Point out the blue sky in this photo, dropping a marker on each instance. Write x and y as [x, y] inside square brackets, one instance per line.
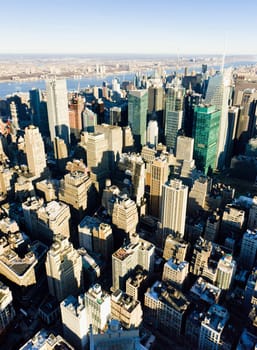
[131, 26]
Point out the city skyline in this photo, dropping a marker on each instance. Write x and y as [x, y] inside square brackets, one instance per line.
[133, 27]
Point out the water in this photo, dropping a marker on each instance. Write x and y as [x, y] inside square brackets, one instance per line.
[8, 88]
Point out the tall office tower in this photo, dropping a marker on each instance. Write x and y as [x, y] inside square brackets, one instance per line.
[116, 85]
[166, 307]
[127, 258]
[132, 165]
[57, 107]
[212, 227]
[233, 113]
[34, 101]
[159, 175]
[175, 272]
[14, 117]
[128, 140]
[60, 153]
[152, 133]
[97, 156]
[246, 99]
[191, 100]
[212, 328]
[7, 312]
[96, 236]
[137, 112]
[126, 310]
[173, 209]
[252, 218]
[6, 180]
[125, 215]
[202, 252]
[136, 283]
[250, 289]
[35, 151]
[226, 270]
[218, 93]
[175, 248]
[110, 191]
[173, 113]
[206, 136]
[155, 98]
[116, 338]
[233, 221]
[248, 249]
[98, 305]
[113, 135]
[89, 120]
[75, 321]
[73, 190]
[45, 221]
[115, 115]
[198, 194]
[63, 269]
[76, 107]
[185, 148]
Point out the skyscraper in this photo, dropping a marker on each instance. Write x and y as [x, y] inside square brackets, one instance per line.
[57, 107]
[63, 269]
[35, 150]
[34, 100]
[159, 174]
[137, 112]
[206, 134]
[173, 212]
[173, 113]
[152, 133]
[218, 93]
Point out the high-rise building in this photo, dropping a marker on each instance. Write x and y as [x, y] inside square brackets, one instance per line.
[202, 252]
[206, 136]
[252, 219]
[133, 165]
[173, 113]
[60, 153]
[198, 194]
[212, 227]
[155, 98]
[89, 120]
[125, 215]
[165, 307]
[57, 107]
[63, 269]
[159, 175]
[98, 304]
[248, 249]
[35, 150]
[127, 258]
[175, 248]
[185, 148]
[34, 101]
[212, 328]
[7, 312]
[115, 115]
[173, 210]
[126, 309]
[191, 100]
[233, 113]
[97, 158]
[76, 107]
[175, 272]
[137, 112]
[226, 270]
[46, 220]
[75, 321]
[218, 93]
[113, 135]
[152, 133]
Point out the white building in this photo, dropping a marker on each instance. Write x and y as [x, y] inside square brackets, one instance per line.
[226, 270]
[7, 312]
[57, 108]
[35, 150]
[212, 327]
[173, 211]
[175, 272]
[75, 321]
[152, 133]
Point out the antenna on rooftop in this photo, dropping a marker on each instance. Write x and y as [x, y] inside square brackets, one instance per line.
[224, 54]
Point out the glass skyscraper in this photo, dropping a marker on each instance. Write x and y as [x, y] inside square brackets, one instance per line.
[137, 113]
[206, 135]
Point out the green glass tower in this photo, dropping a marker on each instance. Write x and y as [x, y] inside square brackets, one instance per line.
[137, 112]
[206, 135]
